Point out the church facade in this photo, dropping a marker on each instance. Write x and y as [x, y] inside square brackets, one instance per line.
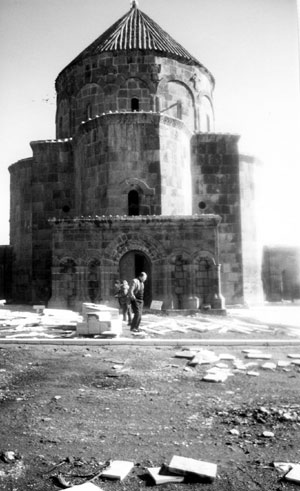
[136, 180]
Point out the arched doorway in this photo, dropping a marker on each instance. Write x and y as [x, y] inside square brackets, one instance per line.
[131, 265]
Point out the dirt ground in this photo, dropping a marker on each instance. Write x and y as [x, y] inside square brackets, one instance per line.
[66, 410]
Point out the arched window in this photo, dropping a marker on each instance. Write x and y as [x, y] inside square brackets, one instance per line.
[133, 203]
[87, 73]
[179, 109]
[88, 111]
[207, 122]
[135, 104]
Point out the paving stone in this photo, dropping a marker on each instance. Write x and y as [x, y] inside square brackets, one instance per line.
[191, 467]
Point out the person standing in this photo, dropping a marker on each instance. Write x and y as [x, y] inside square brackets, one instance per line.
[136, 295]
[124, 301]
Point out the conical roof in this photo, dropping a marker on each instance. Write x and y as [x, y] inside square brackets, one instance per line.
[136, 31]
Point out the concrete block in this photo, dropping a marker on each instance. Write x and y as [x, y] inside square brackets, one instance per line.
[194, 468]
[118, 469]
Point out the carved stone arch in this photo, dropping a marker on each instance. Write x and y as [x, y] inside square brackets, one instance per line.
[86, 87]
[63, 118]
[138, 184]
[186, 255]
[177, 99]
[96, 256]
[180, 277]
[90, 94]
[138, 195]
[66, 260]
[135, 89]
[134, 241]
[199, 256]
[206, 113]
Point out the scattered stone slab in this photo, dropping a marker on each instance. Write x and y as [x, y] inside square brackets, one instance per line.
[118, 469]
[185, 466]
[234, 432]
[163, 478]
[226, 357]
[283, 363]
[269, 366]
[294, 474]
[203, 357]
[252, 373]
[222, 365]
[296, 362]
[295, 355]
[219, 376]
[259, 356]
[268, 434]
[185, 354]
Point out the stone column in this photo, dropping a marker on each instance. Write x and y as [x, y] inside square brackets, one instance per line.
[57, 300]
[168, 303]
[81, 293]
[218, 300]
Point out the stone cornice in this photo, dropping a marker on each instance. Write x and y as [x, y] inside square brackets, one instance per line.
[204, 219]
[132, 117]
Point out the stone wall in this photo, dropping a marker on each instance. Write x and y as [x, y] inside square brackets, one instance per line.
[5, 273]
[21, 228]
[117, 153]
[110, 82]
[182, 254]
[281, 273]
[221, 181]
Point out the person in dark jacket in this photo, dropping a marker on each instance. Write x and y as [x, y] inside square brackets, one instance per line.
[136, 295]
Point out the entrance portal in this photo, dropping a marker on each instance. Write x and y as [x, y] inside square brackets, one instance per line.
[131, 265]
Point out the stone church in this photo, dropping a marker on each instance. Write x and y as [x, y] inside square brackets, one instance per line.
[136, 180]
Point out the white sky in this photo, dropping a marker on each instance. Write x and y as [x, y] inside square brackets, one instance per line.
[250, 46]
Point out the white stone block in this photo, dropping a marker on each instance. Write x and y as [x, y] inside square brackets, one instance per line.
[191, 467]
[294, 474]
